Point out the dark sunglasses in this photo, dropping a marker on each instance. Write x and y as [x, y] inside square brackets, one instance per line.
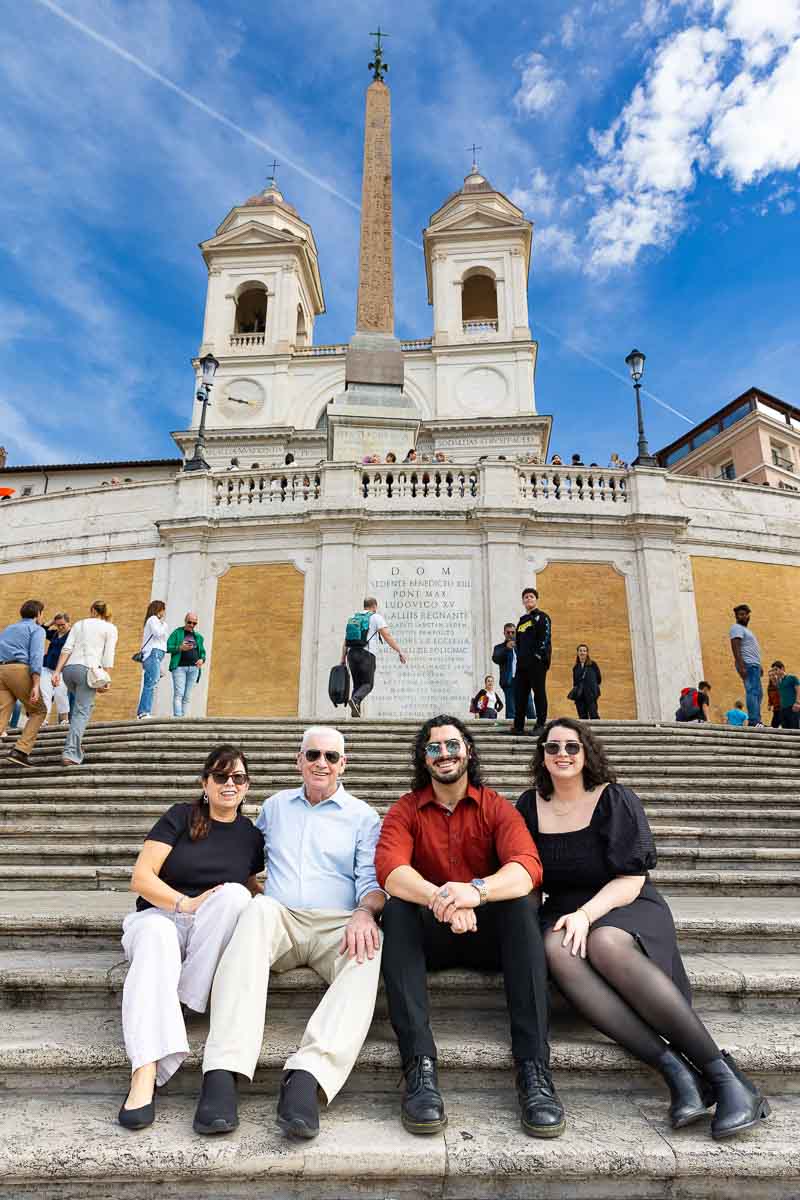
[570, 748]
[331, 756]
[238, 777]
[452, 747]
[189, 623]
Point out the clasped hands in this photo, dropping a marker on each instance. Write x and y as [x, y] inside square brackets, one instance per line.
[454, 904]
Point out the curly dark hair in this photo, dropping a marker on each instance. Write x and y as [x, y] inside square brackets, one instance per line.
[421, 777]
[596, 767]
[221, 758]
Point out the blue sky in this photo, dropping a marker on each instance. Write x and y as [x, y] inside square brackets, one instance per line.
[655, 145]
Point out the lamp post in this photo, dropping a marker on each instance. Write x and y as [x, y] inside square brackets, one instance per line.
[209, 366]
[635, 363]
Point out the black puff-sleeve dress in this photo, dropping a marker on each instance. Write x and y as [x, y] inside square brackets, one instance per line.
[617, 841]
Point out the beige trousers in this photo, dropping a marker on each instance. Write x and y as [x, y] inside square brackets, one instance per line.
[271, 936]
[15, 684]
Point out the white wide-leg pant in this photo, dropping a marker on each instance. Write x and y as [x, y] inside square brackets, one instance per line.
[173, 959]
[272, 936]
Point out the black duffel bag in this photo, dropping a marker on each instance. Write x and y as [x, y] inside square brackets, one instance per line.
[339, 684]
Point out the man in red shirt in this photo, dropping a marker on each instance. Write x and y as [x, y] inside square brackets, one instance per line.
[460, 868]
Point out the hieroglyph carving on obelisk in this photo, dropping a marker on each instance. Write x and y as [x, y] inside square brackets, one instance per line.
[375, 311]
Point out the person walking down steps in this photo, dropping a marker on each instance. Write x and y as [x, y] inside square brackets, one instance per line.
[362, 634]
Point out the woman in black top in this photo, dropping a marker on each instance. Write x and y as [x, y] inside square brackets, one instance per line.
[586, 680]
[609, 934]
[195, 874]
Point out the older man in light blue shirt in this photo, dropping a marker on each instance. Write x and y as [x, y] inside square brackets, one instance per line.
[319, 910]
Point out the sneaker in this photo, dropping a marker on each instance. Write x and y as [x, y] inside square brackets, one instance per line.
[355, 708]
[16, 758]
[143, 716]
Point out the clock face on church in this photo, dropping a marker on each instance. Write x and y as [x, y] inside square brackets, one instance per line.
[241, 400]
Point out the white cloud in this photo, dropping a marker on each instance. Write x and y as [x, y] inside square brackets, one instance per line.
[569, 29]
[538, 198]
[555, 248]
[650, 153]
[757, 128]
[539, 86]
[763, 27]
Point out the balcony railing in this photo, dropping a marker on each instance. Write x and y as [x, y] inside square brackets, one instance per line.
[257, 489]
[569, 483]
[403, 483]
[785, 464]
[319, 351]
[246, 341]
[473, 327]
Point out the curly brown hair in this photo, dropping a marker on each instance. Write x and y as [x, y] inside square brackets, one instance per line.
[421, 775]
[596, 767]
[221, 758]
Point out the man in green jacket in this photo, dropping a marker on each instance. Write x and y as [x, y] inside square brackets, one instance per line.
[187, 655]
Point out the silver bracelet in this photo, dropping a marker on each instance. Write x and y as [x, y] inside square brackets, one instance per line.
[178, 904]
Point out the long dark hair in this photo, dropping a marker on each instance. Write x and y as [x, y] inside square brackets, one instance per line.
[155, 606]
[596, 767]
[225, 758]
[589, 659]
[422, 777]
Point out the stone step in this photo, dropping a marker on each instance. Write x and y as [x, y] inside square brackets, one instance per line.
[80, 979]
[616, 1144]
[90, 920]
[23, 852]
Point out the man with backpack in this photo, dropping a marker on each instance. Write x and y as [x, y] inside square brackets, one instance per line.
[362, 633]
[694, 702]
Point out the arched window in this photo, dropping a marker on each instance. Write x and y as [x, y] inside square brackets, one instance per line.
[479, 300]
[251, 311]
[301, 334]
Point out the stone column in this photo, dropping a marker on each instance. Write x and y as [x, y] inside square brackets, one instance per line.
[339, 595]
[375, 309]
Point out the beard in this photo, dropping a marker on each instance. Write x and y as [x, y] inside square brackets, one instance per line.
[449, 776]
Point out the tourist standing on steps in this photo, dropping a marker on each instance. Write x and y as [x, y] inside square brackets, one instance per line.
[187, 652]
[363, 633]
[586, 680]
[460, 868]
[21, 659]
[747, 657]
[320, 909]
[789, 693]
[195, 875]
[152, 650]
[774, 698]
[609, 934]
[534, 649]
[505, 655]
[486, 704]
[85, 661]
[55, 633]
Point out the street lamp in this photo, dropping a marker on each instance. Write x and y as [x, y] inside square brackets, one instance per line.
[635, 363]
[209, 366]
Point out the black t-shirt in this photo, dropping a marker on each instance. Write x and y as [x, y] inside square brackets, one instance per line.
[189, 657]
[232, 852]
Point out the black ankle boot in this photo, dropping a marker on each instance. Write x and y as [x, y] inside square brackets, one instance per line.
[217, 1109]
[422, 1109]
[740, 1104]
[298, 1106]
[542, 1110]
[692, 1095]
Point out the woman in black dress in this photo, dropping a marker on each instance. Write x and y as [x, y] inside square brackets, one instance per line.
[609, 934]
[586, 680]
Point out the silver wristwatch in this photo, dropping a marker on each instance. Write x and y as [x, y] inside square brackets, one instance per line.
[480, 886]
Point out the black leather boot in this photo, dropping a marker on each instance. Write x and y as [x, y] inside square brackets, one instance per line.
[298, 1106]
[692, 1095]
[422, 1110]
[542, 1110]
[740, 1104]
[217, 1110]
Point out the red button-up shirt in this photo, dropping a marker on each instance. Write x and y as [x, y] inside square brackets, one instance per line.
[482, 834]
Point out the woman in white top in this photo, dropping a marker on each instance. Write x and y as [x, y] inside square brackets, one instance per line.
[89, 646]
[153, 649]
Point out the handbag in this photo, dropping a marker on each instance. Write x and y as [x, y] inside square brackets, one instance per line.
[572, 694]
[139, 655]
[98, 678]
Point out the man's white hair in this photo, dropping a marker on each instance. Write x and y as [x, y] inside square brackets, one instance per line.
[314, 730]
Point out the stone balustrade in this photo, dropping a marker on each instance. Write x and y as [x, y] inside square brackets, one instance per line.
[472, 327]
[413, 344]
[573, 483]
[420, 483]
[238, 489]
[246, 341]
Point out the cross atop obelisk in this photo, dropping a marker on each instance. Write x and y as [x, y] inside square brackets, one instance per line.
[375, 310]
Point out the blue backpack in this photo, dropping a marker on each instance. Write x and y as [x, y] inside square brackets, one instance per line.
[356, 631]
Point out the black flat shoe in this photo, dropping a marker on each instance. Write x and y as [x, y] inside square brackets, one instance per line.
[137, 1118]
[217, 1110]
[298, 1105]
[422, 1109]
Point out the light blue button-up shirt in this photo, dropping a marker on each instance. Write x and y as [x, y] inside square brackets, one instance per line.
[319, 855]
[23, 642]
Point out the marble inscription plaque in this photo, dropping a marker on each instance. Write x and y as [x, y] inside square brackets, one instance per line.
[427, 603]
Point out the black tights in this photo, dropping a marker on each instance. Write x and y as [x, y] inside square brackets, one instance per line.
[625, 995]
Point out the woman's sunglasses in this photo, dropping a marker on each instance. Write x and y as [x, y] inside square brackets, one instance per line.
[238, 777]
[331, 756]
[570, 748]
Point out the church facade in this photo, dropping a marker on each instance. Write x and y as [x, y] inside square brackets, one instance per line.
[643, 565]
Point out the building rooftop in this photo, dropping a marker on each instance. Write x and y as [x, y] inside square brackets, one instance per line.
[722, 419]
[51, 468]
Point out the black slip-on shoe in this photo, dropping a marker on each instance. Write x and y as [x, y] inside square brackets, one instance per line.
[298, 1105]
[217, 1109]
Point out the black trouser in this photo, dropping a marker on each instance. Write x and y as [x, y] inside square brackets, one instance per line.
[789, 718]
[507, 939]
[362, 667]
[587, 709]
[529, 676]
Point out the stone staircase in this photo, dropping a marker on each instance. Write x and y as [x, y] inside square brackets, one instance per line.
[725, 808]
